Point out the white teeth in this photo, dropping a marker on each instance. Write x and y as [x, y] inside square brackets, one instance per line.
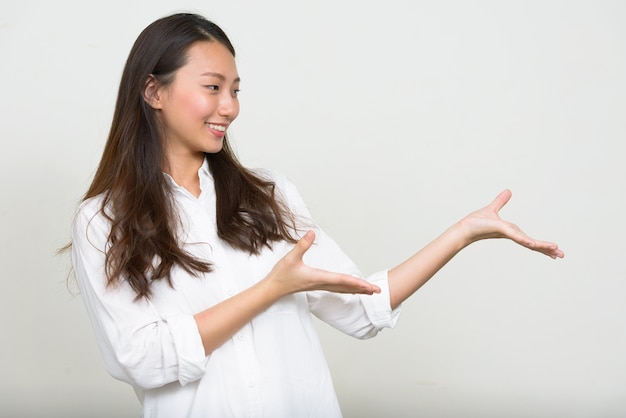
[217, 127]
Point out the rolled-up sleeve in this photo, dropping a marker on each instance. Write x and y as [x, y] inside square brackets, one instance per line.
[188, 346]
[138, 344]
[378, 305]
[361, 316]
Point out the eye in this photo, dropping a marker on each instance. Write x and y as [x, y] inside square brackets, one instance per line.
[236, 92]
[212, 87]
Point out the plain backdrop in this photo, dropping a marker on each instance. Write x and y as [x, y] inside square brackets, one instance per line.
[394, 119]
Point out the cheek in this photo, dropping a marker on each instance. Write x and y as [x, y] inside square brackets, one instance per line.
[199, 105]
[191, 102]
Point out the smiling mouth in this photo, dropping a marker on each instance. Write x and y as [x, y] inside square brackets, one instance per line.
[220, 128]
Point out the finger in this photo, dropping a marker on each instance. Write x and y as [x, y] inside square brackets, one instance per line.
[303, 244]
[341, 283]
[545, 247]
[554, 254]
[548, 248]
[364, 290]
[363, 287]
[501, 200]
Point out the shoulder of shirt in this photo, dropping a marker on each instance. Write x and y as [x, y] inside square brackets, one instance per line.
[89, 215]
[91, 207]
[284, 185]
[265, 173]
[274, 176]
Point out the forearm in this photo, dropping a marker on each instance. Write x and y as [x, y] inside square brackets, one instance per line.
[220, 322]
[407, 277]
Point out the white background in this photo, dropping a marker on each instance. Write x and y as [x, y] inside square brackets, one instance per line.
[395, 119]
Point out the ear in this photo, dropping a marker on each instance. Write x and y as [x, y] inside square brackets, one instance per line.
[152, 92]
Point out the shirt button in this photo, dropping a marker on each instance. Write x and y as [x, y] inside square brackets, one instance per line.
[240, 337]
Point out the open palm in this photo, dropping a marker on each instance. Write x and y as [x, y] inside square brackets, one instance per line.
[486, 223]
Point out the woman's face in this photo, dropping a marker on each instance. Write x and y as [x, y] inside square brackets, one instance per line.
[198, 106]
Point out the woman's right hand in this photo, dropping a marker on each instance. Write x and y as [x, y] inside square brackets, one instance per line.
[291, 275]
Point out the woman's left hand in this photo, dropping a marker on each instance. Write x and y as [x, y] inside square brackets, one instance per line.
[486, 223]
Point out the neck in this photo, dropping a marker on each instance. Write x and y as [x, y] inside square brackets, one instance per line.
[184, 171]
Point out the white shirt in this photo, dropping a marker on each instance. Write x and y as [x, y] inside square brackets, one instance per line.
[273, 367]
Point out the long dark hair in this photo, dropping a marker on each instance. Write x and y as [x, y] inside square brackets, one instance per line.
[137, 198]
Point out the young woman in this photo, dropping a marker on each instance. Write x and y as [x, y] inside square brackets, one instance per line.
[201, 276]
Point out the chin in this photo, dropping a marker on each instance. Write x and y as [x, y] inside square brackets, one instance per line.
[214, 148]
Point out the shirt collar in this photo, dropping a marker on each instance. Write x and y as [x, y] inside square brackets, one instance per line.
[204, 174]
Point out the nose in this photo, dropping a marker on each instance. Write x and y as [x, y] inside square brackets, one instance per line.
[228, 106]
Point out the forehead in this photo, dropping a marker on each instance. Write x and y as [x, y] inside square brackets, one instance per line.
[210, 57]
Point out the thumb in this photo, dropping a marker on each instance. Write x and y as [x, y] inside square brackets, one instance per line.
[303, 245]
[501, 200]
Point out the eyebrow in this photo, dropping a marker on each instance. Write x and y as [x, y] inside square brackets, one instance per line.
[220, 76]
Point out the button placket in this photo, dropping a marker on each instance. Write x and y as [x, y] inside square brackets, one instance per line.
[249, 367]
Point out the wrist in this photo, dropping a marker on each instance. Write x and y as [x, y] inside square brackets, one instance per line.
[273, 288]
[461, 234]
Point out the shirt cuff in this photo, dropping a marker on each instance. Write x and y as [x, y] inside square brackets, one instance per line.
[189, 348]
[378, 305]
